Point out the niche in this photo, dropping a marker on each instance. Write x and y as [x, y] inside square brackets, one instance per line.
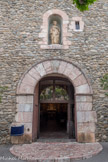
[55, 29]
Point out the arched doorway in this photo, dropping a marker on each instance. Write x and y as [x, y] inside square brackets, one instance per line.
[28, 89]
[56, 108]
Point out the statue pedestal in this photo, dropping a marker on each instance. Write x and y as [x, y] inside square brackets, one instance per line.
[55, 46]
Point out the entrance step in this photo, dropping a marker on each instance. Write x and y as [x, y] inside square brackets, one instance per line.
[55, 151]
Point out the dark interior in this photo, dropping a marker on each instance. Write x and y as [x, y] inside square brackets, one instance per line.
[53, 117]
[56, 101]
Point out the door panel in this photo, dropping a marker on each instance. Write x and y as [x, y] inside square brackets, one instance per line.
[36, 114]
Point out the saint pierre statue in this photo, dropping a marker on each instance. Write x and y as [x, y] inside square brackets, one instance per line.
[55, 33]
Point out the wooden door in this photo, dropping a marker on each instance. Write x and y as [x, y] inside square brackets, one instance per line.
[35, 122]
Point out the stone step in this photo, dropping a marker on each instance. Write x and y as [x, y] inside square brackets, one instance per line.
[55, 152]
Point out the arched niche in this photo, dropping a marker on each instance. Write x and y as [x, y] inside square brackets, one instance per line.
[63, 20]
[59, 21]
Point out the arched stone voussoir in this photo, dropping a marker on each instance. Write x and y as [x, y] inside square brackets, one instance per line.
[47, 67]
[56, 11]
[80, 80]
[24, 88]
[71, 71]
[54, 66]
[27, 84]
[83, 89]
[28, 79]
[51, 66]
[40, 69]
[34, 73]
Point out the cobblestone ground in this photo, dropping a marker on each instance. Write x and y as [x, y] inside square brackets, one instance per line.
[58, 152]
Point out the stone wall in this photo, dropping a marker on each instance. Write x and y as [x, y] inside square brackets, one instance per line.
[20, 25]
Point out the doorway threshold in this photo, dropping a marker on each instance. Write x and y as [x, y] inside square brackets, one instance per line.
[54, 134]
[51, 137]
[55, 140]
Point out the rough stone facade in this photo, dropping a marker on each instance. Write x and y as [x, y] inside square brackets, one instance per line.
[20, 25]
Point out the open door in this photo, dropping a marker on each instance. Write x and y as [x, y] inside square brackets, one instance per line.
[53, 108]
[35, 128]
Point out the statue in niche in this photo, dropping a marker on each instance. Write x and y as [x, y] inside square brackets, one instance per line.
[55, 33]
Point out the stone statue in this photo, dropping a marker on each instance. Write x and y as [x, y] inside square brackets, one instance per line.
[55, 33]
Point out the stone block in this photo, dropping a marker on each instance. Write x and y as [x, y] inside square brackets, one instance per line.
[45, 23]
[71, 26]
[65, 34]
[24, 99]
[50, 12]
[44, 30]
[84, 106]
[69, 68]
[14, 139]
[25, 89]
[83, 89]
[84, 98]
[74, 73]
[76, 18]
[40, 69]
[65, 22]
[69, 43]
[65, 27]
[41, 35]
[86, 137]
[26, 138]
[86, 116]
[27, 128]
[62, 67]
[33, 72]
[55, 65]
[54, 46]
[65, 46]
[47, 66]
[29, 80]
[65, 42]
[86, 127]
[25, 107]
[44, 47]
[80, 80]
[24, 117]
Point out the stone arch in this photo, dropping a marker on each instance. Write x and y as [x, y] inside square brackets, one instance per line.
[55, 11]
[85, 116]
[32, 76]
